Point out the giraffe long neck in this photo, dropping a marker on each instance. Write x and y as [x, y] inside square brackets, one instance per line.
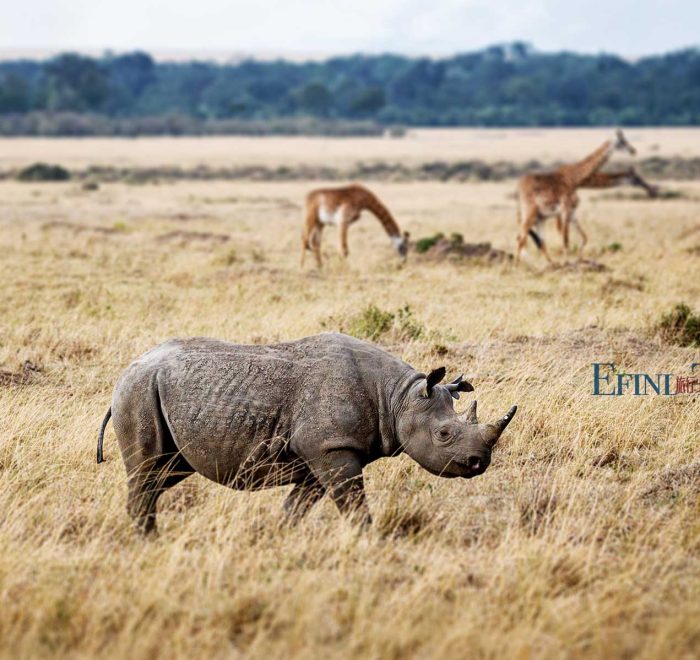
[382, 214]
[579, 172]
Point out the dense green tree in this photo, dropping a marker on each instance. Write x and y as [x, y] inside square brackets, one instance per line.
[73, 82]
[14, 94]
[502, 85]
[314, 99]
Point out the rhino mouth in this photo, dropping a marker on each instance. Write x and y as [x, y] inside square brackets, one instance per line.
[458, 470]
[473, 467]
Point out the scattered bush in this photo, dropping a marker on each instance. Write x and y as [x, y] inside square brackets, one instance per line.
[424, 244]
[372, 323]
[681, 326]
[407, 325]
[43, 172]
[613, 247]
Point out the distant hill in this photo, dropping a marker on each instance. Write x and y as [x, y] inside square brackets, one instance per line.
[510, 85]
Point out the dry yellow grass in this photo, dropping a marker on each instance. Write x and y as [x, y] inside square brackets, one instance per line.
[582, 539]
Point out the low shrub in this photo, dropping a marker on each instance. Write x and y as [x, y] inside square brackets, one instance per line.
[681, 326]
[43, 172]
[372, 323]
[424, 244]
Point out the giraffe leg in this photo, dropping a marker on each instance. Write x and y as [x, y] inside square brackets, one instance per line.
[304, 248]
[527, 225]
[316, 244]
[343, 237]
[563, 228]
[584, 237]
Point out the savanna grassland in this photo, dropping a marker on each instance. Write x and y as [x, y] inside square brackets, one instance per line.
[582, 538]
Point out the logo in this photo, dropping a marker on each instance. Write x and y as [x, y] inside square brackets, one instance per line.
[608, 380]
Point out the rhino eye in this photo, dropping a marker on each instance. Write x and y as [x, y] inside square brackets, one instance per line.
[444, 435]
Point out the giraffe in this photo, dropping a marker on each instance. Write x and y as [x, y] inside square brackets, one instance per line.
[343, 206]
[542, 195]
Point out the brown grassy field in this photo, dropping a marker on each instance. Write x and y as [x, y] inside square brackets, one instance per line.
[582, 538]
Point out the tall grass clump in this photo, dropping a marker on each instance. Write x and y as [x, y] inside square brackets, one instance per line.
[681, 326]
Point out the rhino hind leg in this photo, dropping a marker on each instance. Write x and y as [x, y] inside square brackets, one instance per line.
[152, 459]
[147, 483]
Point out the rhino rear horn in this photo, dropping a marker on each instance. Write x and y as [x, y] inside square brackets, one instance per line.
[472, 413]
[469, 417]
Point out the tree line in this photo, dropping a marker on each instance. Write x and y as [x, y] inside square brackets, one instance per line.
[508, 85]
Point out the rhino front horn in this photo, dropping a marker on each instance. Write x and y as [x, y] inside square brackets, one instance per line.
[505, 420]
[496, 429]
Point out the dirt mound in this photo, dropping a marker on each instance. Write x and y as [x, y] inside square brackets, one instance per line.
[440, 248]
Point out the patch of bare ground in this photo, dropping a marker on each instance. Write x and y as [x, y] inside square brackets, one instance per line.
[613, 284]
[25, 375]
[581, 266]
[80, 227]
[185, 237]
[186, 217]
[675, 480]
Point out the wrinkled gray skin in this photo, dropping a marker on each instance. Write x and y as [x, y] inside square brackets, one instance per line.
[311, 413]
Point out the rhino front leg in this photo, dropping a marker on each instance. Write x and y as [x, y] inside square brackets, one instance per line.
[340, 473]
[302, 498]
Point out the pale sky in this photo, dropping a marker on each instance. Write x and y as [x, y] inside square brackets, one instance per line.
[307, 27]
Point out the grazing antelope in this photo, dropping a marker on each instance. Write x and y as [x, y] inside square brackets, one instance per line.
[342, 207]
[547, 194]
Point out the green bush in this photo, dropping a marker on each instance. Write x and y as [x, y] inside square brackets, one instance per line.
[681, 326]
[372, 323]
[44, 172]
[407, 325]
[424, 244]
[613, 247]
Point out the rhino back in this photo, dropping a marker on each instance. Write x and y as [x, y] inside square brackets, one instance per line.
[222, 400]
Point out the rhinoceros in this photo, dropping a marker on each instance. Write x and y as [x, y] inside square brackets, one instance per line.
[311, 413]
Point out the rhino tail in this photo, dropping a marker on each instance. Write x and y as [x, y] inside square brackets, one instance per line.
[101, 437]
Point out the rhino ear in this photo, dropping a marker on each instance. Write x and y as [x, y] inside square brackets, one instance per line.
[432, 379]
[459, 385]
